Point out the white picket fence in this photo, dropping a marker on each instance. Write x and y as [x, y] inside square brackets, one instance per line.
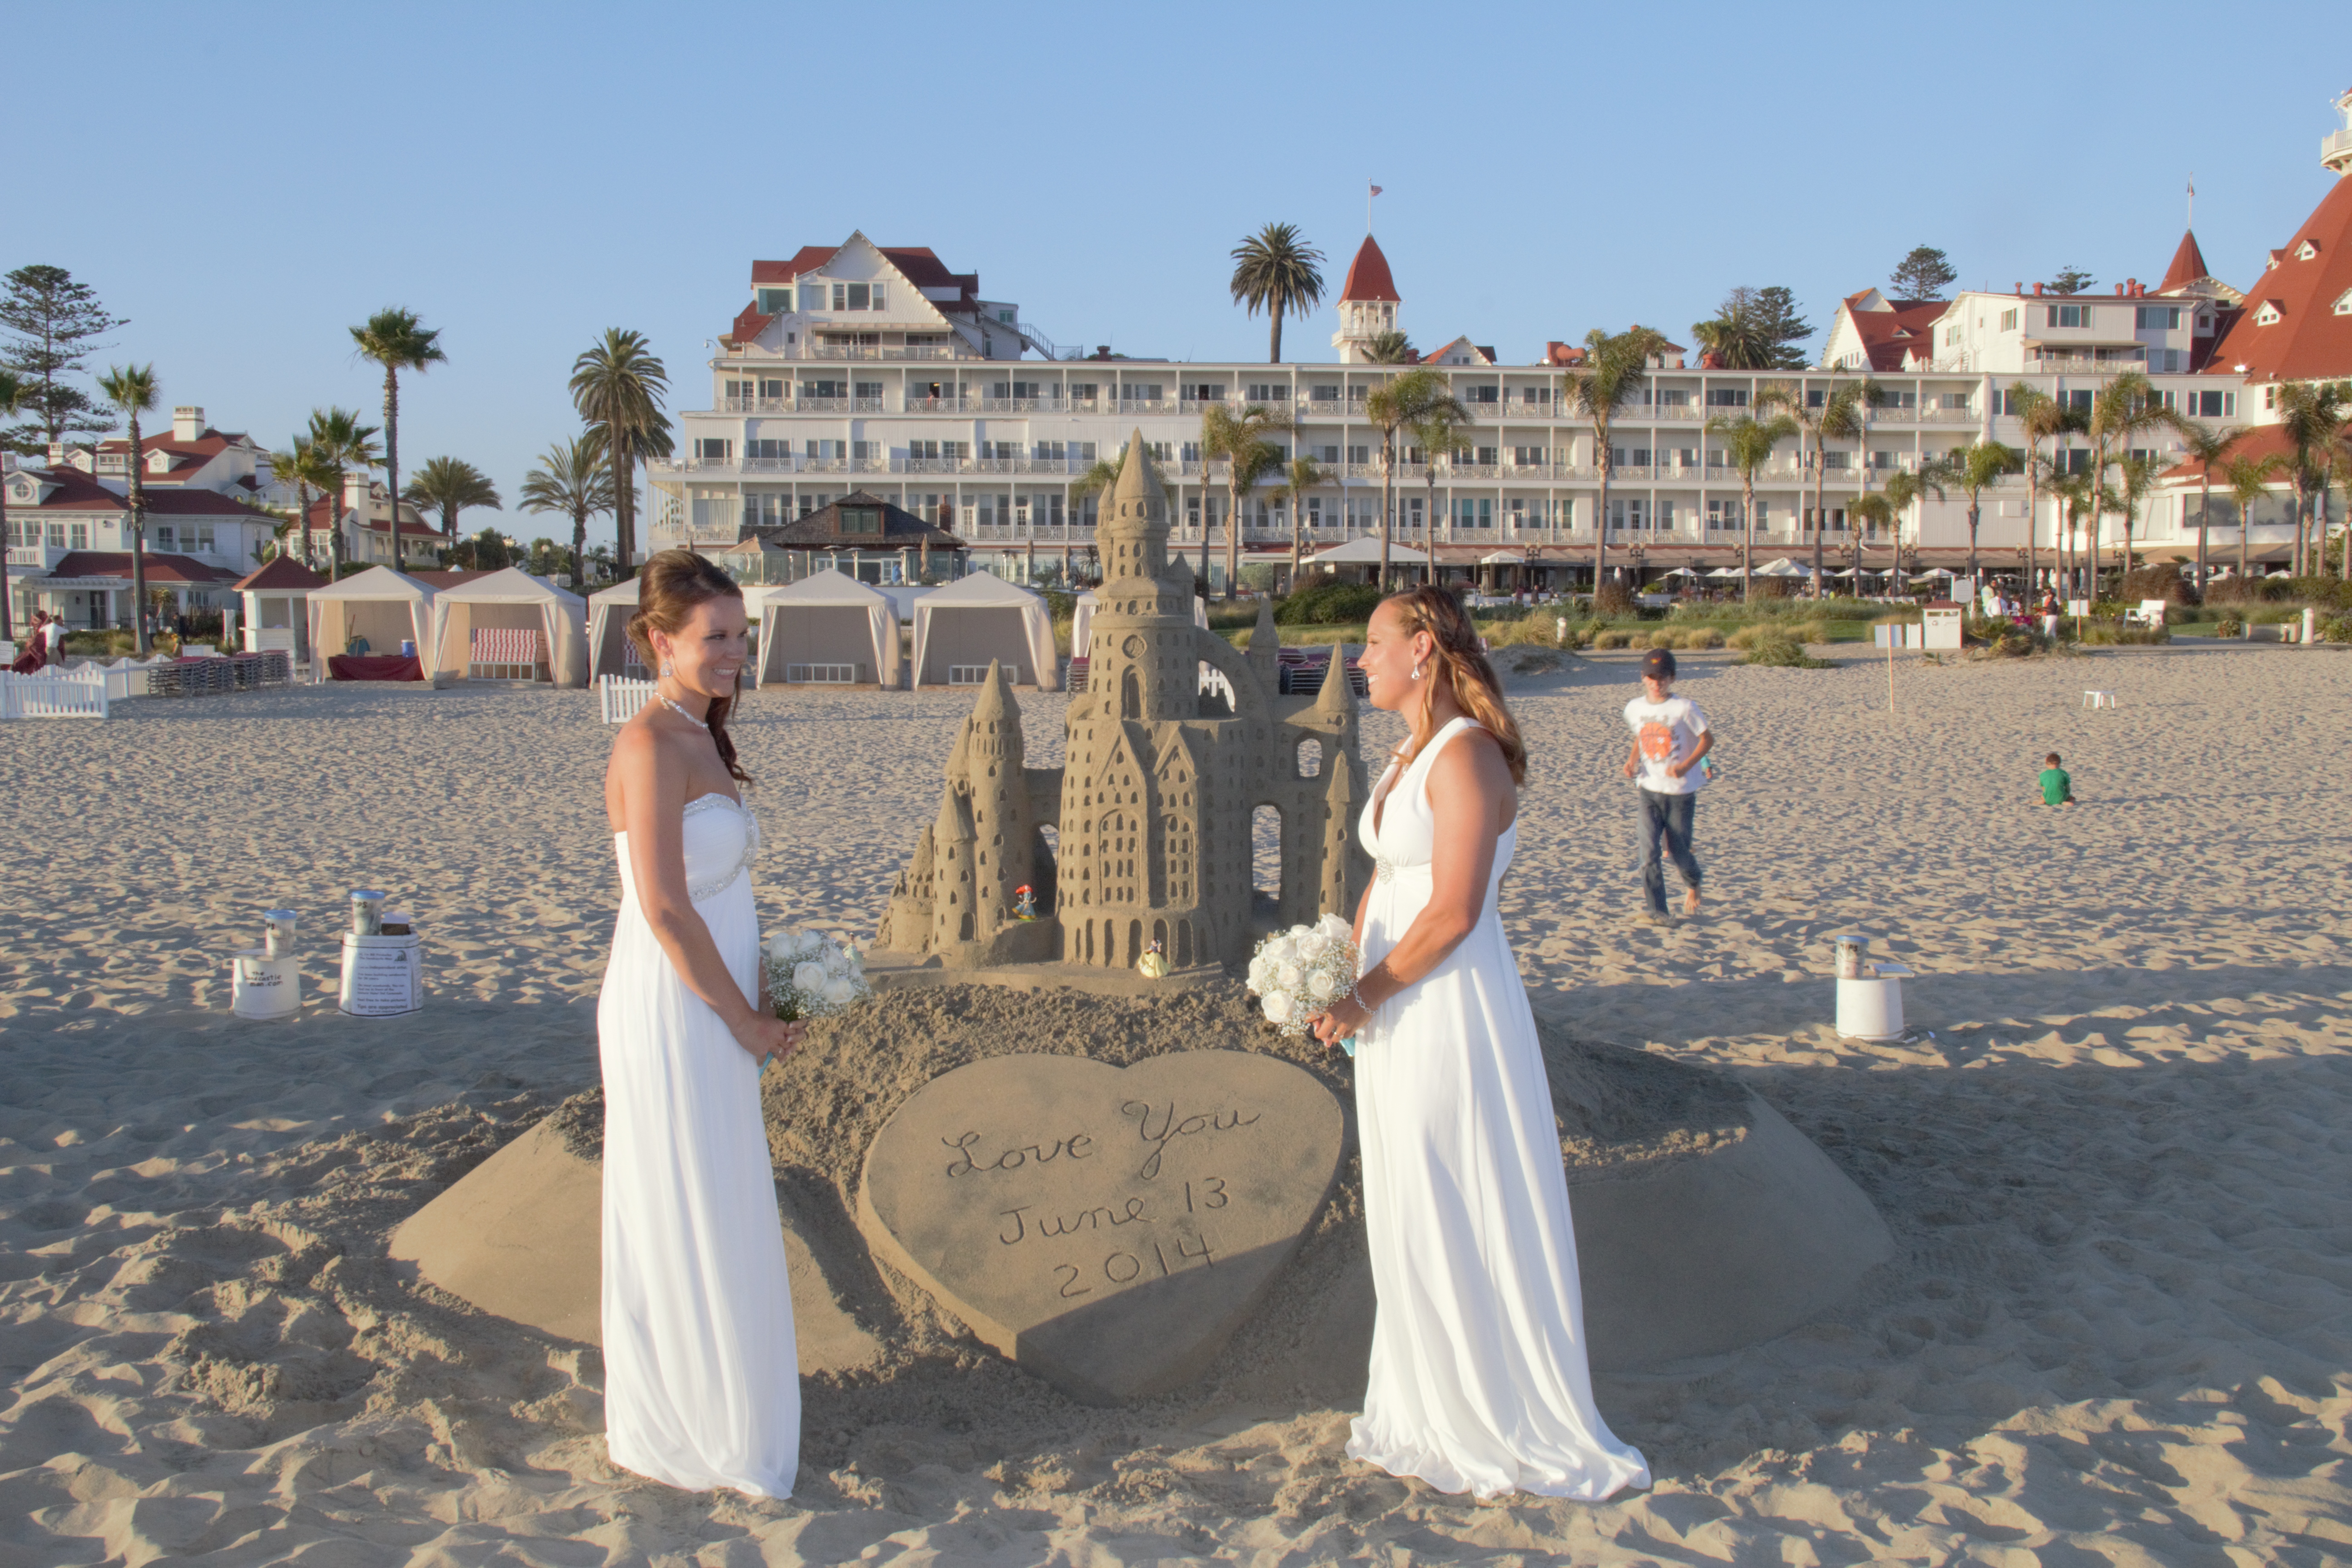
[619, 697]
[67, 694]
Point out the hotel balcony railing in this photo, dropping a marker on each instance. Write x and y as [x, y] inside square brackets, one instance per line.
[2336, 144]
[823, 405]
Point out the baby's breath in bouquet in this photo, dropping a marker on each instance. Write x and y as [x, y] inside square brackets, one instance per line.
[1298, 973]
[812, 976]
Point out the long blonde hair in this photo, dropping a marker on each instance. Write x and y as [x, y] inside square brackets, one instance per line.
[1462, 667]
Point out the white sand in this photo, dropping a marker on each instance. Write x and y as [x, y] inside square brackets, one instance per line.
[2118, 1331]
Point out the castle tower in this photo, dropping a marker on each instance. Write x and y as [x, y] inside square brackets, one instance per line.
[1367, 304]
[1340, 875]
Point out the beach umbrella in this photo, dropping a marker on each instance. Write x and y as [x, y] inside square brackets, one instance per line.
[1783, 567]
[1725, 572]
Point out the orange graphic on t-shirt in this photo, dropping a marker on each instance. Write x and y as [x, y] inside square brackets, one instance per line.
[1657, 742]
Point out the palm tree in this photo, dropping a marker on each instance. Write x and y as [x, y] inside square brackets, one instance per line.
[620, 385]
[13, 397]
[1239, 440]
[1906, 487]
[1276, 270]
[131, 388]
[1614, 367]
[2139, 471]
[1394, 405]
[1975, 469]
[2044, 418]
[2311, 415]
[2125, 410]
[394, 339]
[1748, 442]
[1391, 347]
[2207, 447]
[2249, 479]
[1302, 475]
[1438, 429]
[337, 443]
[2076, 499]
[292, 466]
[450, 485]
[573, 480]
[1838, 418]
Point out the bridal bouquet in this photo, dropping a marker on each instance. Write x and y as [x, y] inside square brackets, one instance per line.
[812, 975]
[1298, 973]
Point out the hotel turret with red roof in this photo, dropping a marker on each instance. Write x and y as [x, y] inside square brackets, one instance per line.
[875, 368]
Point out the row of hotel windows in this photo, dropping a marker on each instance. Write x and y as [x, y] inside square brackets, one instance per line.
[811, 296]
[2161, 318]
[26, 535]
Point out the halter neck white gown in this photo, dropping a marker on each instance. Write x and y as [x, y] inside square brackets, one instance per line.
[701, 1377]
[1478, 1375]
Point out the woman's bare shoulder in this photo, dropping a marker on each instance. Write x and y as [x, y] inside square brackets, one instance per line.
[1473, 760]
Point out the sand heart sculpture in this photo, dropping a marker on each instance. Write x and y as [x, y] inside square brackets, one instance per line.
[1107, 1227]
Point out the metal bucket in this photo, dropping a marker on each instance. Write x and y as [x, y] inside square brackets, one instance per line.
[277, 934]
[1851, 945]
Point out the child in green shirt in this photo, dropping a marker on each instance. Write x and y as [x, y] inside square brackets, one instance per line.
[2057, 789]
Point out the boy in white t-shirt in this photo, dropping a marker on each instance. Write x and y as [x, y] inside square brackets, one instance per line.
[1670, 736]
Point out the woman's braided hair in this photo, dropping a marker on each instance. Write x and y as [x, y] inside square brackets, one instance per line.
[669, 586]
[1461, 664]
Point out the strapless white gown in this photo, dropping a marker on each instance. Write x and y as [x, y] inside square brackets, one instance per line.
[701, 1377]
[1479, 1382]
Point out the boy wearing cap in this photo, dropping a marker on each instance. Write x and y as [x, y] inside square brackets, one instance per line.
[1670, 736]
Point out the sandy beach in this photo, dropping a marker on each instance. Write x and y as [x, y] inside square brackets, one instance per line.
[2117, 1330]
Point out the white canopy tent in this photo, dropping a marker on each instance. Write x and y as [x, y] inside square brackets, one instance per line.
[1503, 558]
[978, 618]
[514, 601]
[384, 606]
[826, 629]
[610, 652]
[1784, 567]
[1731, 572]
[1082, 622]
[1367, 553]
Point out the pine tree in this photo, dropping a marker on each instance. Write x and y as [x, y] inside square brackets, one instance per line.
[2069, 281]
[56, 322]
[1924, 274]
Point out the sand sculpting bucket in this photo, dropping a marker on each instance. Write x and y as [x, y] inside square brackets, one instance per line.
[266, 981]
[384, 961]
[1869, 994]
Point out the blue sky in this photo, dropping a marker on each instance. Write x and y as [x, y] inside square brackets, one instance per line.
[245, 181]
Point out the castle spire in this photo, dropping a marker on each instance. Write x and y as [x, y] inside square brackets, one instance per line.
[1338, 696]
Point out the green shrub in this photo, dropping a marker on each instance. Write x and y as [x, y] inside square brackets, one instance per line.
[1613, 637]
[1775, 647]
[1612, 599]
[1329, 605]
[1703, 637]
[2230, 627]
[2105, 633]
[2164, 581]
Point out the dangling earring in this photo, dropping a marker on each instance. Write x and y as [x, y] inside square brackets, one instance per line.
[668, 670]
[1416, 672]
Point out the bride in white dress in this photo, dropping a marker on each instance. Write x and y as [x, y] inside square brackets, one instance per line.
[701, 1376]
[1479, 1380]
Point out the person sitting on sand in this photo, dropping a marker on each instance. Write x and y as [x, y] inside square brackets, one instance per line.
[2057, 789]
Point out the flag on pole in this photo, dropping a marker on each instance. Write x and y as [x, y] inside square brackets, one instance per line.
[1376, 190]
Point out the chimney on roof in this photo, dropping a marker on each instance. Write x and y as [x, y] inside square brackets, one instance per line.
[58, 456]
[187, 422]
[355, 490]
[2037, 291]
[2020, 288]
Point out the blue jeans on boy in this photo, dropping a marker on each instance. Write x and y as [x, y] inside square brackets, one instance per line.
[1666, 818]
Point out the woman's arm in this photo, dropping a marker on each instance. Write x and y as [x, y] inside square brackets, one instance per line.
[1473, 797]
[653, 781]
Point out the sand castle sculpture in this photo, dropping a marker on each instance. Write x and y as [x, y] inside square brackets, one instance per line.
[1164, 772]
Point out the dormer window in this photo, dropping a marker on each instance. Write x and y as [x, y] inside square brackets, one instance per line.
[774, 301]
[2306, 251]
[2343, 306]
[860, 520]
[2270, 315]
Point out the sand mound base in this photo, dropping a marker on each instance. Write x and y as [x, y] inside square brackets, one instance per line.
[1704, 1220]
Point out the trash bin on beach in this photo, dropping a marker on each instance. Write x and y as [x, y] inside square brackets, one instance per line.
[1869, 996]
[266, 981]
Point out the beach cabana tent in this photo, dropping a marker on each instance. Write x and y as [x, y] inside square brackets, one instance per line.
[610, 651]
[514, 603]
[275, 595]
[385, 606]
[960, 628]
[826, 629]
[1082, 622]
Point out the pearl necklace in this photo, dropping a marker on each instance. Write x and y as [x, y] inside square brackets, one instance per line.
[681, 712]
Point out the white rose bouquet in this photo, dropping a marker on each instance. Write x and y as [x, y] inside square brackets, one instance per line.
[1298, 973]
[812, 975]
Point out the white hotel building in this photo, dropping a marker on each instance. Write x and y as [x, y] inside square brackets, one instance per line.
[860, 367]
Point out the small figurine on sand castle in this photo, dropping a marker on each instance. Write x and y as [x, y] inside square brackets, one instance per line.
[1025, 903]
[1153, 964]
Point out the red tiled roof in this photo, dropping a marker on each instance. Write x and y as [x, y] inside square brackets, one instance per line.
[281, 574]
[161, 567]
[1367, 274]
[2187, 265]
[917, 263]
[2310, 341]
[2260, 441]
[78, 491]
[1905, 327]
[749, 324]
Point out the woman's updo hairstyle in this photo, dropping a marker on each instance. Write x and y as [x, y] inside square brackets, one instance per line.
[669, 586]
[1459, 662]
